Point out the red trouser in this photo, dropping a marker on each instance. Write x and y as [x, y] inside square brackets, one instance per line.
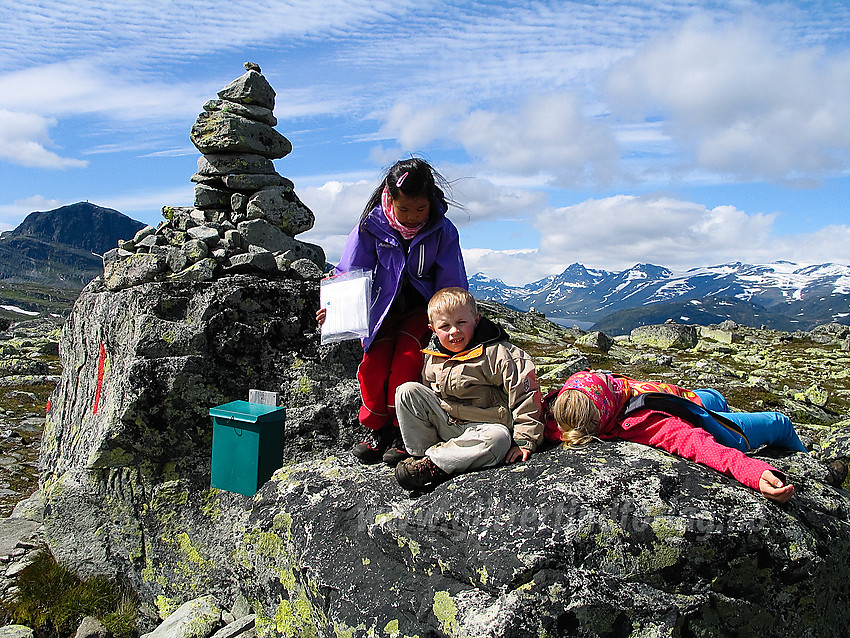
[393, 358]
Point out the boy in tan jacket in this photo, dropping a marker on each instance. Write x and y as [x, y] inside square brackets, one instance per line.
[479, 402]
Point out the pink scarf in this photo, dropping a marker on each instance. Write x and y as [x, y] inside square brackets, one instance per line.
[406, 231]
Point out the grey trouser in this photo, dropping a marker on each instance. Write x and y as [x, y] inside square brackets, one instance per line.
[453, 447]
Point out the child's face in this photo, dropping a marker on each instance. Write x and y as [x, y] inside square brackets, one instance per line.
[454, 328]
[411, 211]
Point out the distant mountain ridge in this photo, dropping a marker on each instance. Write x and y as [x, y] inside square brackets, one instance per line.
[63, 247]
[781, 295]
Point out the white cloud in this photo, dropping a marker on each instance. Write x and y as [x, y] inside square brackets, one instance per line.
[548, 136]
[24, 140]
[82, 87]
[484, 200]
[617, 232]
[514, 267]
[337, 206]
[12, 214]
[740, 101]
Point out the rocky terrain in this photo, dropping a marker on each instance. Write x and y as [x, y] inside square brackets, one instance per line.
[613, 539]
[29, 371]
[803, 374]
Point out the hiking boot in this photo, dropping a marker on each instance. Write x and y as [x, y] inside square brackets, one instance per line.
[396, 451]
[372, 447]
[420, 475]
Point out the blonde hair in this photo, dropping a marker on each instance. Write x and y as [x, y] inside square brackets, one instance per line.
[448, 299]
[577, 417]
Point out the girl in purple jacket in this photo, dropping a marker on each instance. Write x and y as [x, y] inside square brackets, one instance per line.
[405, 239]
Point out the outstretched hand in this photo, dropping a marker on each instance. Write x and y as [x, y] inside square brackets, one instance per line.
[517, 453]
[773, 488]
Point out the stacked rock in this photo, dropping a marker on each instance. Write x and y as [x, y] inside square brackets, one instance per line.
[245, 215]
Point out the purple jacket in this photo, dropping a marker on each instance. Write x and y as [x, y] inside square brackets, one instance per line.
[434, 261]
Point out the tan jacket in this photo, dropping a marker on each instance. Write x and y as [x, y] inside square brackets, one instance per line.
[494, 382]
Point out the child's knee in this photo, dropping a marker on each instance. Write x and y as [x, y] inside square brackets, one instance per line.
[406, 391]
[499, 440]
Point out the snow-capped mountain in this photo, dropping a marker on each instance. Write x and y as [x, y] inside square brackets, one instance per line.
[805, 294]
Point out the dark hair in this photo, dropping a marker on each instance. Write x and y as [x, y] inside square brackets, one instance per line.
[418, 179]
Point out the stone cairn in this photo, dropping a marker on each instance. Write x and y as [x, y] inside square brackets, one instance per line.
[246, 215]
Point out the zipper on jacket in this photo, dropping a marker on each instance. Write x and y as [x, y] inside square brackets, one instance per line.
[421, 261]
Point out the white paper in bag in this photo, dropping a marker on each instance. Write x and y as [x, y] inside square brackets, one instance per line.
[346, 300]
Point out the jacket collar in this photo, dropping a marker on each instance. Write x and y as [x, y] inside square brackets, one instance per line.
[486, 332]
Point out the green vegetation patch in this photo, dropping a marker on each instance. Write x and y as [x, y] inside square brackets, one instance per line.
[52, 601]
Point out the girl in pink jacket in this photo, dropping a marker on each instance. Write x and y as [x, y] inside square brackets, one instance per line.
[593, 404]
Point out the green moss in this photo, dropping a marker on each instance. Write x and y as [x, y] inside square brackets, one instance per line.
[659, 557]
[189, 550]
[294, 619]
[383, 518]
[283, 521]
[211, 505]
[411, 544]
[445, 610]
[391, 628]
[304, 386]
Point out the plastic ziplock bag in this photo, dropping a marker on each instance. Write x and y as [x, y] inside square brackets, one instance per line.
[346, 299]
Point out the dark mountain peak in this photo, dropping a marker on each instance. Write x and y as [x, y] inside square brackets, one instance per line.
[83, 225]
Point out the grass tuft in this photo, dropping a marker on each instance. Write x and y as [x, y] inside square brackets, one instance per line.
[52, 601]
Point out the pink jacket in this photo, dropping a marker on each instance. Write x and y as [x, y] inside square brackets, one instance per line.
[609, 394]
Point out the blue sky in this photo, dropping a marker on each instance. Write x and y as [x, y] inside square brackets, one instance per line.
[677, 133]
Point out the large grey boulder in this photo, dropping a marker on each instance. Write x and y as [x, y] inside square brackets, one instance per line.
[667, 335]
[125, 455]
[280, 206]
[611, 539]
[223, 132]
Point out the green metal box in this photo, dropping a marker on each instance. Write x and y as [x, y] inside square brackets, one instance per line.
[247, 445]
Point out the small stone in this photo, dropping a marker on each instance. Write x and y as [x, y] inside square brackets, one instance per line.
[251, 88]
[205, 234]
[195, 250]
[221, 164]
[281, 207]
[262, 261]
[91, 627]
[239, 206]
[144, 232]
[306, 270]
[233, 240]
[220, 132]
[817, 395]
[209, 197]
[258, 113]
[176, 259]
[596, 339]
[250, 183]
[204, 270]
